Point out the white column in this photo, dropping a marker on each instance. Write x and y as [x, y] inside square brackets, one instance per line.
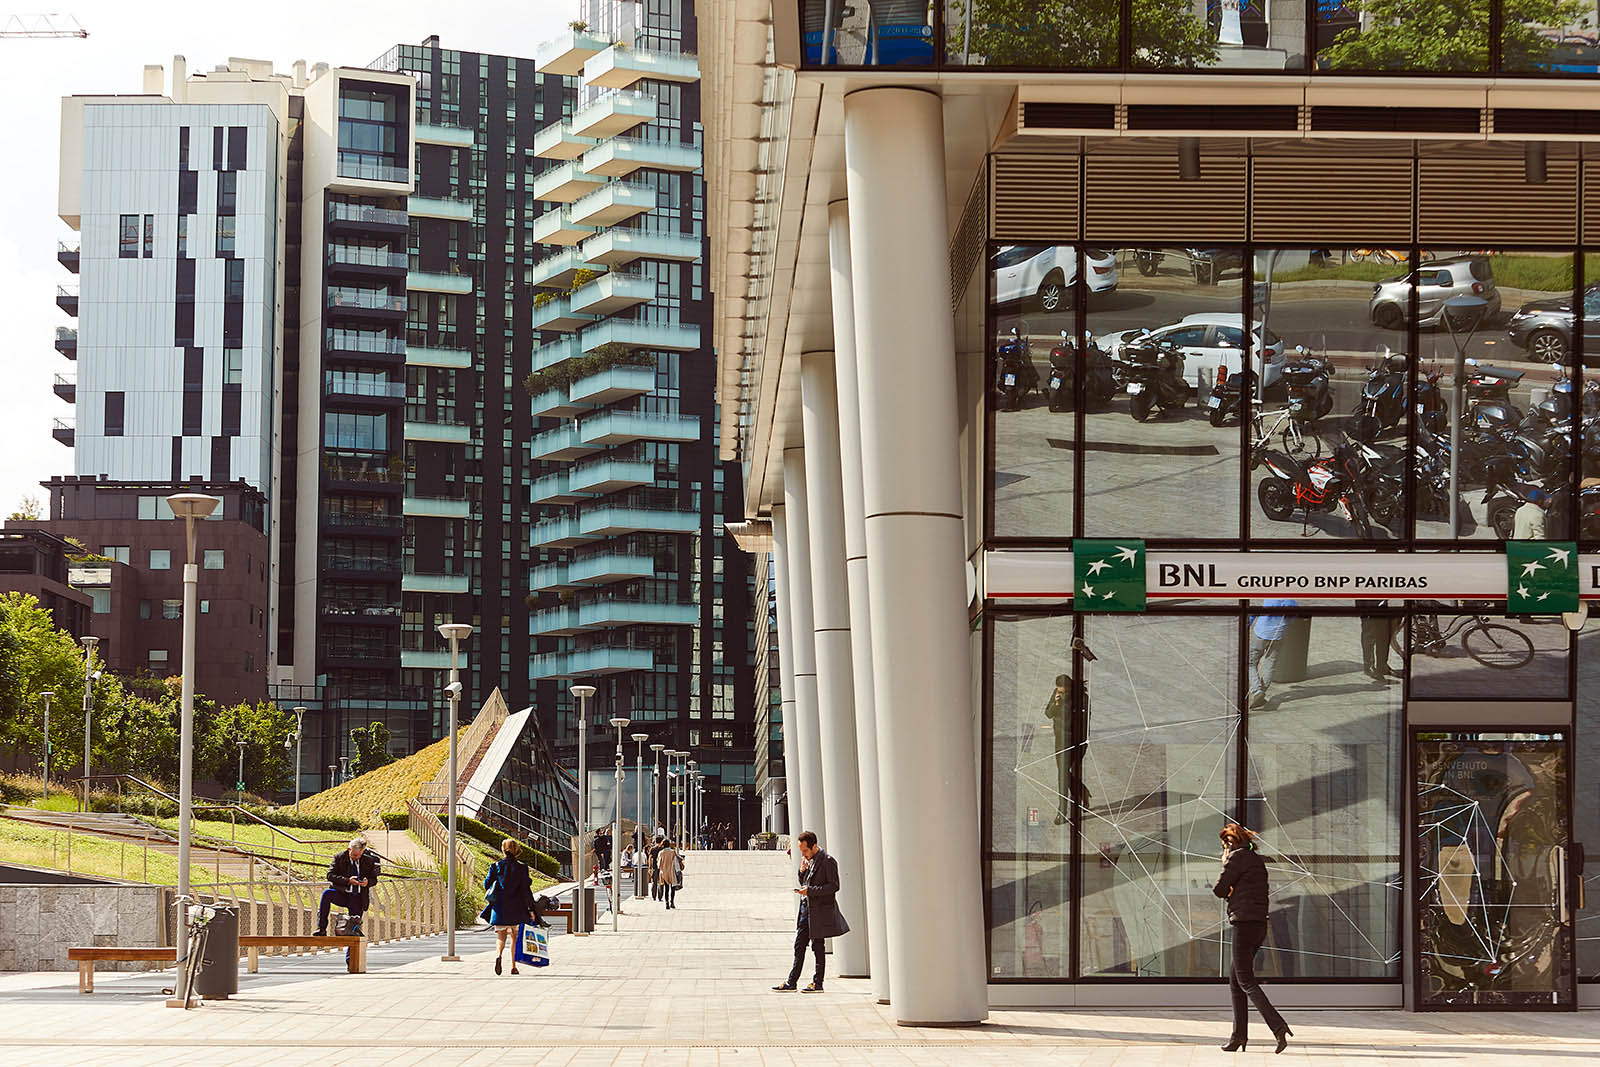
[905, 340]
[803, 739]
[836, 719]
[855, 554]
[780, 583]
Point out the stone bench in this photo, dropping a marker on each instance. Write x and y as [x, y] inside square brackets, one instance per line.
[355, 946]
[86, 957]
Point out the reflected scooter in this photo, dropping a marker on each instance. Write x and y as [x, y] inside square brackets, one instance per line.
[1014, 372]
[1227, 395]
[1099, 383]
[1308, 382]
[1153, 372]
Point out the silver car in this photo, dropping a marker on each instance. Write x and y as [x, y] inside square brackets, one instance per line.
[1435, 283]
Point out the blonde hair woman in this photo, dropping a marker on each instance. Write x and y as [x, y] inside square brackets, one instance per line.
[509, 891]
[1244, 886]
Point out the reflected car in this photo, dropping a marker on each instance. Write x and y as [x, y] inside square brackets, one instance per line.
[1208, 340]
[1043, 275]
[1436, 283]
[1544, 328]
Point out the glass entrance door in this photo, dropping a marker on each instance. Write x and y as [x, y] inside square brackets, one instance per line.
[1494, 924]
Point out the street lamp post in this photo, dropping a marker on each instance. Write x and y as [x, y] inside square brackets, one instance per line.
[344, 769]
[639, 837]
[89, 675]
[47, 694]
[691, 829]
[455, 633]
[672, 797]
[580, 913]
[299, 735]
[1470, 308]
[190, 507]
[621, 724]
[656, 785]
[240, 784]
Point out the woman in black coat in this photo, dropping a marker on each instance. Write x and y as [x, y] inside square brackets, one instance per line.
[1244, 885]
[510, 890]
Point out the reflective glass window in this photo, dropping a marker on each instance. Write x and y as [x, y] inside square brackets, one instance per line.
[1018, 33]
[1402, 35]
[1526, 657]
[1262, 35]
[1547, 37]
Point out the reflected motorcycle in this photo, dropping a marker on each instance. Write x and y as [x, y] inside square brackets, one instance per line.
[1153, 372]
[1383, 397]
[1308, 381]
[1334, 484]
[1099, 383]
[1014, 372]
[1227, 396]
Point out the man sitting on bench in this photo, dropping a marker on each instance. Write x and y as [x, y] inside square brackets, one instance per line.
[351, 875]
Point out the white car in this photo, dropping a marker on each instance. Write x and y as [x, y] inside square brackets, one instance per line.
[1207, 340]
[1045, 274]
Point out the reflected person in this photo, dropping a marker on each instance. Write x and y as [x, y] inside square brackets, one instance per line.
[1059, 710]
[1377, 631]
[1243, 885]
[1266, 634]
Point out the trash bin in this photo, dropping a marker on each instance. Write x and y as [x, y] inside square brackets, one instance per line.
[218, 976]
[585, 907]
[1293, 650]
[641, 880]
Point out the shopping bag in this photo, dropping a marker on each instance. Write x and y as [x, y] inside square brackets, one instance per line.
[533, 945]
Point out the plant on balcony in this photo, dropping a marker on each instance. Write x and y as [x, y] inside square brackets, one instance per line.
[577, 26]
[541, 299]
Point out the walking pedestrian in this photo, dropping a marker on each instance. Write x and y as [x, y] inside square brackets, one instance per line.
[1376, 633]
[1266, 633]
[667, 865]
[653, 852]
[1244, 885]
[509, 892]
[819, 917]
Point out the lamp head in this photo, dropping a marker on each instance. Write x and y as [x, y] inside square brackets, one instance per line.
[47, 694]
[658, 747]
[299, 716]
[619, 722]
[89, 642]
[192, 505]
[641, 738]
[582, 691]
[455, 631]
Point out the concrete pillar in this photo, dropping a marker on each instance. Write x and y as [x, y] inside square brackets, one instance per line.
[911, 492]
[802, 740]
[780, 582]
[830, 599]
[855, 554]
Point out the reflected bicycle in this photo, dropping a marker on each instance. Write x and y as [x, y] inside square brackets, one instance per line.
[1292, 434]
[1492, 644]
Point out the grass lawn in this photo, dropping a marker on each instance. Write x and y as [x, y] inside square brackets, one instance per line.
[38, 847]
[384, 790]
[317, 852]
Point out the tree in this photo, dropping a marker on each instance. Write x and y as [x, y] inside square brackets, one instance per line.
[28, 511]
[371, 743]
[1447, 35]
[262, 727]
[1079, 33]
[35, 657]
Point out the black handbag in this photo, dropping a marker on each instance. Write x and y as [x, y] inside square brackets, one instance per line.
[492, 894]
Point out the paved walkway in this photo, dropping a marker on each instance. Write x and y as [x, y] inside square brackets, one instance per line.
[688, 986]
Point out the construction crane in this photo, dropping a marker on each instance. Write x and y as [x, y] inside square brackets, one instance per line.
[41, 26]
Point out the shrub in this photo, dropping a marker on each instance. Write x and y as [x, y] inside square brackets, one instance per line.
[305, 820]
[396, 820]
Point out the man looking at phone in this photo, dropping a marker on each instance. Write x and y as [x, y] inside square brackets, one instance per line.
[351, 875]
[819, 917]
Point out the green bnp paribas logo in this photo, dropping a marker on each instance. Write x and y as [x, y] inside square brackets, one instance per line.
[1108, 575]
[1541, 577]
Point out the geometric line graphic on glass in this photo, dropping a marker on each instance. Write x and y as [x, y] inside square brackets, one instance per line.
[1157, 784]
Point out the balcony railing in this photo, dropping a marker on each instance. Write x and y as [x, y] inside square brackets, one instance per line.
[338, 561]
[335, 384]
[369, 170]
[362, 341]
[372, 299]
[618, 67]
[613, 113]
[360, 520]
[613, 203]
[566, 54]
[620, 156]
[366, 214]
[376, 470]
[371, 611]
[364, 256]
[557, 141]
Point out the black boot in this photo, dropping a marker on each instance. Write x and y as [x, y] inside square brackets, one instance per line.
[1283, 1039]
[1235, 1044]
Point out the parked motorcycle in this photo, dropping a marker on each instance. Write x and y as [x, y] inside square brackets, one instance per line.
[1015, 375]
[1335, 484]
[1148, 262]
[1153, 372]
[1488, 394]
[1227, 396]
[1308, 381]
[1383, 396]
[1099, 383]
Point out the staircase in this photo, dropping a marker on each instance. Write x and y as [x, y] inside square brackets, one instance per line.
[225, 862]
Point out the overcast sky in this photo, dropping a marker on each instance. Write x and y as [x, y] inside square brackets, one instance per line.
[124, 35]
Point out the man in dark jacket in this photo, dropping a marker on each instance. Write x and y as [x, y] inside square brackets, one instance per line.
[351, 876]
[819, 917]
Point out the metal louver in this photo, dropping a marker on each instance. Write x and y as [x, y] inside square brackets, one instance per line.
[1140, 197]
[966, 245]
[1034, 197]
[1292, 200]
[1477, 201]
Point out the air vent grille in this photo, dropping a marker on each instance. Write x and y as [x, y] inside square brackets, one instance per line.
[1045, 115]
[1292, 199]
[1034, 198]
[1476, 202]
[1197, 117]
[1140, 197]
[1430, 120]
[1542, 120]
[966, 246]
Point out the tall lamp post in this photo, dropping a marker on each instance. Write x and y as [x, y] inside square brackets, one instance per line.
[299, 736]
[1470, 310]
[580, 911]
[639, 838]
[89, 676]
[239, 785]
[455, 633]
[691, 828]
[621, 724]
[47, 694]
[674, 822]
[190, 507]
[656, 786]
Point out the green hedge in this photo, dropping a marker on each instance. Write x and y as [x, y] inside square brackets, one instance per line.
[544, 863]
[397, 820]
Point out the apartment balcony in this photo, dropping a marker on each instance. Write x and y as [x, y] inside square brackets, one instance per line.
[614, 520]
[435, 583]
[562, 443]
[448, 358]
[560, 270]
[434, 507]
[556, 404]
[561, 532]
[556, 314]
[346, 217]
[67, 300]
[428, 659]
[374, 568]
[557, 228]
[619, 157]
[372, 472]
[429, 207]
[618, 67]
[609, 613]
[360, 260]
[65, 431]
[553, 622]
[364, 345]
[549, 576]
[556, 352]
[611, 293]
[636, 333]
[621, 427]
[613, 114]
[349, 389]
[611, 475]
[364, 305]
[565, 183]
[612, 384]
[614, 248]
[366, 523]
[418, 281]
[593, 661]
[566, 54]
[554, 489]
[614, 203]
[67, 256]
[345, 614]
[606, 567]
[67, 341]
[439, 433]
[557, 141]
[449, 136]
[66, 388]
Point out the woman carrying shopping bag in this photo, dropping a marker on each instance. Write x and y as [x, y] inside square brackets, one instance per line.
[509, 891]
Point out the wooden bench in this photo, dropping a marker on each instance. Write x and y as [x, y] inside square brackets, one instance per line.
[86, 957]
[355, 946]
